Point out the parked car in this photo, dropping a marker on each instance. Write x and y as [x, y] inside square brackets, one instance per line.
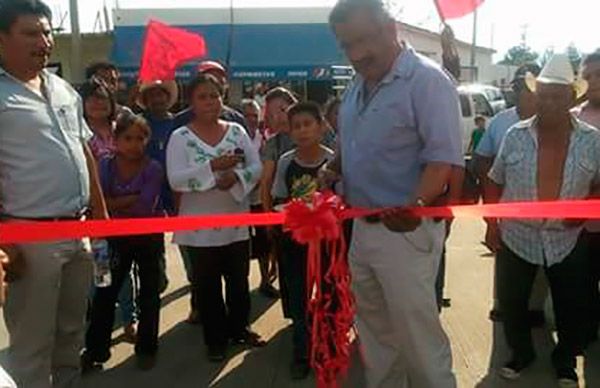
[493, 94]
[472, 103]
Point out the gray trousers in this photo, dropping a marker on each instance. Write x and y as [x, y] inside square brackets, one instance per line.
[393, 279]
[45, 314]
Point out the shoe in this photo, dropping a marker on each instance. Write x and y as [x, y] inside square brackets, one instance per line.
[130, 333]
[216, 353]
[299, 369]
[268, 291]
[537, 318]
[512, 370]
[249, 338]
[567, 378]
[145, 362]
[88, 365]
[495, 315]
[194, 318]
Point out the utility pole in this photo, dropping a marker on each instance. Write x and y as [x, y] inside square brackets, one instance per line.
[474, 47]
[76, 68]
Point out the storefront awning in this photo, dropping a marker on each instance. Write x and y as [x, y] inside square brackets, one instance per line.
[255, 52]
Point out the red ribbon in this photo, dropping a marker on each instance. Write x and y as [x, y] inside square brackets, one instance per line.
[27, 232]
[330, 302]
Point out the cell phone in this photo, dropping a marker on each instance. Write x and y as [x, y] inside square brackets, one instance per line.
[240, 152]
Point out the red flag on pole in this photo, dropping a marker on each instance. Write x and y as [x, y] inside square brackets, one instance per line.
[166, 48]
[452, 9]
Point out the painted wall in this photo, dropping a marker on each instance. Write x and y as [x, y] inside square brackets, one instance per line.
[94, 48]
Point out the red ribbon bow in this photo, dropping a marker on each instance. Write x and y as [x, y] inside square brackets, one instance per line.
[330, 303]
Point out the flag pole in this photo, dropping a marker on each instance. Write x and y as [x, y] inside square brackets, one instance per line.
[439, 11]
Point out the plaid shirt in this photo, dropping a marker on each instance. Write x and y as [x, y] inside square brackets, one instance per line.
[544, 242]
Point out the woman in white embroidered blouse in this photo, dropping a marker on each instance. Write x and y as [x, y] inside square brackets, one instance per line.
[214, 166]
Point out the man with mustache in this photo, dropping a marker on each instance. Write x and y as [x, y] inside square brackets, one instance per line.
[47, 173]
[399, 137]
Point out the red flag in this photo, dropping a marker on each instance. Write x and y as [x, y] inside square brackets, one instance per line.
[166, 48]
[452, 9]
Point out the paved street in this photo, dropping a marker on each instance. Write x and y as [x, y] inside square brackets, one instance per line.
[478, 346]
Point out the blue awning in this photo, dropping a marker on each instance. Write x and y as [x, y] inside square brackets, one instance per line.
[260, 51]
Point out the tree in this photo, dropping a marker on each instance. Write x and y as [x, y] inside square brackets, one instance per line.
[519, 55]
[574, 56]
[546, 55]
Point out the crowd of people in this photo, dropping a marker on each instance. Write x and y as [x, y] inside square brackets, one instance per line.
[393, 140]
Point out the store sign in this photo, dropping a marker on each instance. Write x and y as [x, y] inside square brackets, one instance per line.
[288, 73]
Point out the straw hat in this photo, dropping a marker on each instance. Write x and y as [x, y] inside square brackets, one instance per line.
[168, 86]
[559, 71]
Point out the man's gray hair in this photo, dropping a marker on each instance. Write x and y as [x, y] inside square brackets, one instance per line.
[250, 102]
[344, 8]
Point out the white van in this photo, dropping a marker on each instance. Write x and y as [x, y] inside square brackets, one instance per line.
[494, 95]
[473, 103]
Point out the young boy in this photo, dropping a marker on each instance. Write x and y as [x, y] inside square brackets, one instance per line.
[296, 178]
[477, 133]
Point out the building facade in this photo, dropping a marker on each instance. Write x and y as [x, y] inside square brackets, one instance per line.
[260, 44]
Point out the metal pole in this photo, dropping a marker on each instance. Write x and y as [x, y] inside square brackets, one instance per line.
[474, 46]
[76, 68]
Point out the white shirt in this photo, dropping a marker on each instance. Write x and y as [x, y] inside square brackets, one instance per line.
[189, 173]
[544, 241]
[43, 169]
[5, 380]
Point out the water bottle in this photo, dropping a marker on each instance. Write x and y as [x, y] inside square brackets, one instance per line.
[102, 275]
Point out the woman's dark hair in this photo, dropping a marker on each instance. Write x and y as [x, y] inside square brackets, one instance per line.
[10, 10]
[96, 88]
[203, 79]
[94, 68]
[126, 120]
[280, 92]
[307, 107]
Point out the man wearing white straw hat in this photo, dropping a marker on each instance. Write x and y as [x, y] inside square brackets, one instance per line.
[552, 156]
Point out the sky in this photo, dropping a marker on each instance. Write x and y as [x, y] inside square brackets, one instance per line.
[501, 23]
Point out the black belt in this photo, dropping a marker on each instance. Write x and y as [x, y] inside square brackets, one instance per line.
[74, 217]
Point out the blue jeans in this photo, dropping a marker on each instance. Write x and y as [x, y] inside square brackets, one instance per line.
[126, 300]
